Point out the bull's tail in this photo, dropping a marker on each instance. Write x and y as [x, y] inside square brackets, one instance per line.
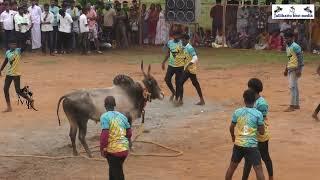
[59, 102]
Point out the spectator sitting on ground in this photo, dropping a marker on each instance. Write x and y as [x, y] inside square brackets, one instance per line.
[208, 38]
[262, 43]
[275, 41]
[202, 36]
[237, 40]
[218, 43]
[233, 39]
[243, 40]
[197, 38]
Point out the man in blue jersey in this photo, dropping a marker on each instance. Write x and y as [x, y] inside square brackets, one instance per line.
[247, 123]
[293, 69]
[175, 65]
[190, 70]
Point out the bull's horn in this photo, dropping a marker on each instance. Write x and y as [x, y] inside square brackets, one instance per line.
[143, 69]
[149, 70]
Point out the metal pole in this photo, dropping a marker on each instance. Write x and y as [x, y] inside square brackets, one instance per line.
[224, 22]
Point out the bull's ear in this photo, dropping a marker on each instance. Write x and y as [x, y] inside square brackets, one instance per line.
[149, 70]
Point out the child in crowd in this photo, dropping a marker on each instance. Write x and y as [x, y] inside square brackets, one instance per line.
[218, 43]
[275, 41]
[262, 43]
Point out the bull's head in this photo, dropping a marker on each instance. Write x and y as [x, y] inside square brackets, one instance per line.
[151, 84]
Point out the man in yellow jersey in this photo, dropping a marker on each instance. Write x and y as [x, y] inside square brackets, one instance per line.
[12, 60]
[247, 123]
[190, 70]
[175, 65]
[263, 140]
[293, 69]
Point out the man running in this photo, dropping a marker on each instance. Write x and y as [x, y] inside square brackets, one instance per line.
[246, 123]
[293, 69]
[263, 140]
[190, 70]
[12, 59]
[175, 65]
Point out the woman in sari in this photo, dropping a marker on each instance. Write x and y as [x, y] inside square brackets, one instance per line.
[144, 18]
[152, 23]
[162, 33]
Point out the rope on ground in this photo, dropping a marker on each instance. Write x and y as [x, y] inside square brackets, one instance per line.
[140, 132]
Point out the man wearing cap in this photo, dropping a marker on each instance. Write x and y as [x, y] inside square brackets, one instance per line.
[293, 69]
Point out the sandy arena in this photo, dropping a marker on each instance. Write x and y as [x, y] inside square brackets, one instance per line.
[201, 132]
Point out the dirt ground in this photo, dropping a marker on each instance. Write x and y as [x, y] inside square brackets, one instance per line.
[200, 132]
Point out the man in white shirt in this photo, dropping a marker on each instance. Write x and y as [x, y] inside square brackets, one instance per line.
[84, 31]
[54, 9]
[6, 19]
[75, 14]
[35, 13]
[47, 19]
[21, 26]
[65, 26]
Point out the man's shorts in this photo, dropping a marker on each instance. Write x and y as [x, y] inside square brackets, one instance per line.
[93, 33]
[251, 155]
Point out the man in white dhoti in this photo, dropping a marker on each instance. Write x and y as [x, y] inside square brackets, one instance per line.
[35, 12]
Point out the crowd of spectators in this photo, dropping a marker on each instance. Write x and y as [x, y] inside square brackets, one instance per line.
[69, 26]
[250, 26]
